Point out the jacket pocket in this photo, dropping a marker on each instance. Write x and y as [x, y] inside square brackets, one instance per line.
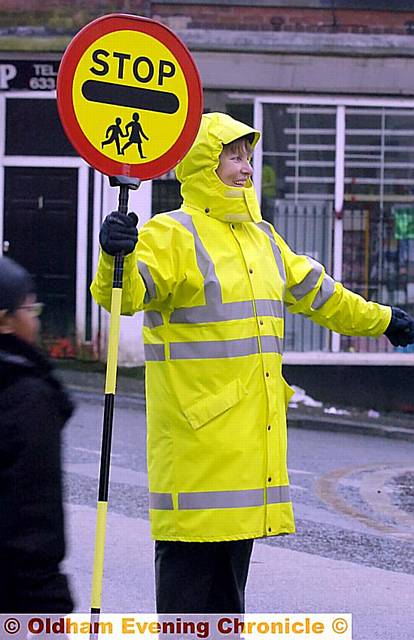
[211, 406]
[289, 392]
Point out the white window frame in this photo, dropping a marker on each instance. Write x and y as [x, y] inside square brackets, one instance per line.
[82, 209]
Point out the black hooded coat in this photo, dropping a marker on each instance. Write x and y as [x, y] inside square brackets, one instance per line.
[33, 410]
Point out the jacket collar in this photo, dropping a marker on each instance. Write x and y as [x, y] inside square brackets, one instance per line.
[18, 358]
[17, 354]
[205, 192]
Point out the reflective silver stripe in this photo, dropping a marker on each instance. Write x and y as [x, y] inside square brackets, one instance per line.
[160, 501]
[265, 226]
[212, 288]
[148, 280]
[232, 499]
[278, 494]
[152, 319]
[272, 308]
[227, 311]
[325, 292]
[309, 282]
[271, 344]
[214, 349]
[214, 313]
[221, 499]
[154, 352]
[215, 310]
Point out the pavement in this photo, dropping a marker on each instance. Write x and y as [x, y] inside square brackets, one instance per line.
[280, 580]
[83, 378]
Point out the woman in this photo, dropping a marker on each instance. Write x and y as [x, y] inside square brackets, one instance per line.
[33, 410]
[214, 281]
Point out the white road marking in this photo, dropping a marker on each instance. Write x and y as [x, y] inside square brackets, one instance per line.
[298, 487]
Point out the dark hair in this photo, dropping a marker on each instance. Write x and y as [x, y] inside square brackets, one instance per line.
[15, 284]
[240, 144]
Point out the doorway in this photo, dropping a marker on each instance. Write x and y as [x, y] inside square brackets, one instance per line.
[40, 222]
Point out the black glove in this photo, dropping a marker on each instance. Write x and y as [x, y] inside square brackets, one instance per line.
[400, 331]
[119, 233]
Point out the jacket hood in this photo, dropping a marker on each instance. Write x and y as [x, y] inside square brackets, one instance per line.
[201, 188]
[15, 284]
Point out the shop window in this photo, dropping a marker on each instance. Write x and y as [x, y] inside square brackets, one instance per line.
[33, 129]
[298, 187]
[298, 154]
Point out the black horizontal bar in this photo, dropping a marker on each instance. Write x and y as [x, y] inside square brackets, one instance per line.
[126, 96]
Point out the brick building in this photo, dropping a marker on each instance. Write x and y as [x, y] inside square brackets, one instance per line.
[329, 82]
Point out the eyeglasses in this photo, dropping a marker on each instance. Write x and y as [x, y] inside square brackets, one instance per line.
[35, 309]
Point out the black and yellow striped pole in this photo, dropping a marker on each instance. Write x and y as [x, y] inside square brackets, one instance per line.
[125, 184]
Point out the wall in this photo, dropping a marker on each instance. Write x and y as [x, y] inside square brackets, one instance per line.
[383, 388]
[197, 14]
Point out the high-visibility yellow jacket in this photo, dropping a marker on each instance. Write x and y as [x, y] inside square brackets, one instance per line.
[214, 281]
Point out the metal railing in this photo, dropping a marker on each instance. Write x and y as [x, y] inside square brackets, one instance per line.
[378, 261]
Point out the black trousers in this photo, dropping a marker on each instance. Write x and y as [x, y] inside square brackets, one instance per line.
[201, 577]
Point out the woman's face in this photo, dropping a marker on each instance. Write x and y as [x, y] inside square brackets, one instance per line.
[234, 168]
[23, 322]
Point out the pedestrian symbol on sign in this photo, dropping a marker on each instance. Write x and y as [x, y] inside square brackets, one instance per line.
[113, 133]
[133, 129]
[135, 132]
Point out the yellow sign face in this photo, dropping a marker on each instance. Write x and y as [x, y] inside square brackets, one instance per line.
[130, 97]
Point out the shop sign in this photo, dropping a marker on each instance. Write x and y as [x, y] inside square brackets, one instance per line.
[28, 75]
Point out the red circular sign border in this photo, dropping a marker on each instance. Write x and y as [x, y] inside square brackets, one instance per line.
[82, 41]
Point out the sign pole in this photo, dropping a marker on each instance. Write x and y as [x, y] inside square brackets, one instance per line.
[125, 184]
